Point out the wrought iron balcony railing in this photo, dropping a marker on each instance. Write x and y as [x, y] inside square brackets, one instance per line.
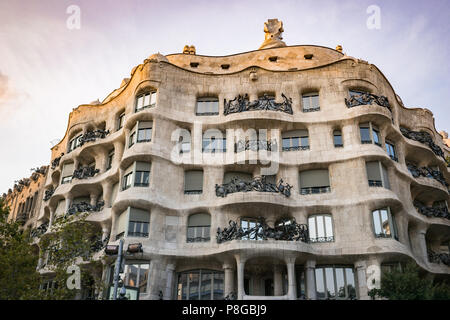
[39, 231]
[437, 212]
[242, 104]
[375, 183]
[85, 207]
[367, 99]
[425, 138]
[92, 136]
[321, 239]
[85, 172]
[256, 184]
[288, 232]
[439, 257]
[428, 173]
[255, 145]
[193, 191]
[296, 148]
[315, 190]
[313, 109]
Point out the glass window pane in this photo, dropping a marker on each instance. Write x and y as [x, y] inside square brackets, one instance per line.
[305, 141]
[376, 222]
[340, 283]
[295, 142]
[193, 286]
[182, 287]
[218, 286]
[147, 100]
[385, 222]
[320, 285]
[312, 227]
[286, 143]
[365, 134]
[328, 227]
[350, 278]
[205, 288]
[375, 136]
[330, 282]
[337, 139]
[143, 277]
[131, 275]
[320, 227]
[306, 103]
[315, 101]
[152, 98]
[140, 102]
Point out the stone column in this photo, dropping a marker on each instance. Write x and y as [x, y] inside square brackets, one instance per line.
[69, 200]
[229, 279]
[52, 214]
[118, 152]
[240, 261]
[292, 286]
[277, 281]
[107, 193]
[94, 198]
[373, 274]
[310, 283]
[360, 267]
[170, 277]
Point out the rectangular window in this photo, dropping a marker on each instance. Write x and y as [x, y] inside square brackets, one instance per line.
[127, 181]
[390, 149]
[138, 224]
[120, 121]
[376, 136]
[67, 173]
[377, 174]
[74, 143]
[314, 181]
[207, 107]
[132, 138]
[110, 160]
[193, 182]
[142, 179]
[335, 282]
[384, 224]
[337, 139]
[145, 100]
[295, 140]
[136, 275]
[144, 131]
[310, 102]
[320, 228]
[365, 133]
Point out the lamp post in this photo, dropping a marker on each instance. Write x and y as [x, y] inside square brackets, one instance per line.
[117, 269]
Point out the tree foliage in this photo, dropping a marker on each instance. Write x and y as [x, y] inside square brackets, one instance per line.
[18, 259]
[407, 284]
[71, 241]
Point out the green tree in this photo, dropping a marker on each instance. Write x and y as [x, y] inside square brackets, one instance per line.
[407, 284]
[18, 260]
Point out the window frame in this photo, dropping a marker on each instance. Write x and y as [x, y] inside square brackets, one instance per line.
[372, 128]
[336, 289]
[207, 99]
[326, 238]
[390, 146]
[393, 229]
[143, 95]
[309, 96]
[120, 119]
[338, 145]
[179, 284]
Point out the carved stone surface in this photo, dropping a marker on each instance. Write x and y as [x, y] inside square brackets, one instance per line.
[432, 212]
[257, 184]
[48, 194]
[84, 173]
[427, 172]
[272, 34]
[255, 145]
[425, 138]
[242, 103]
[85, 207]
[55, 161]
[39, 231]
[439, 257]
[92, 136]
[367, 99]
[288, 232]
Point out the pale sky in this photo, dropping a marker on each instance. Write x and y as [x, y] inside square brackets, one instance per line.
[47, 69]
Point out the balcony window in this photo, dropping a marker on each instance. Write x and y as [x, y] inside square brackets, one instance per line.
[110, 159]
[137, 275]
[314, 181]
[337, 139]
[142, 174]
[67, 173]
[74, 143]
[144, 131]
[145, 100]
[134, 221]
[120, 120]
[295, 140]
[207, 106]
[200, 285]
[390, 149]
[193, 182]
[320, 228]
[251, 232]
[213, 141]
[369, 134]
[126, 181]
[199, 228]
[377, 174]
[132, 139]
[335, 282]
[384, 224]
[310, 102]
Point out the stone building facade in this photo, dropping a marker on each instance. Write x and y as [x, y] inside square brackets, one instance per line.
[287, 172]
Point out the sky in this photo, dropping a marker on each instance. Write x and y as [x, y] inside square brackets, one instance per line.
[49, 66]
